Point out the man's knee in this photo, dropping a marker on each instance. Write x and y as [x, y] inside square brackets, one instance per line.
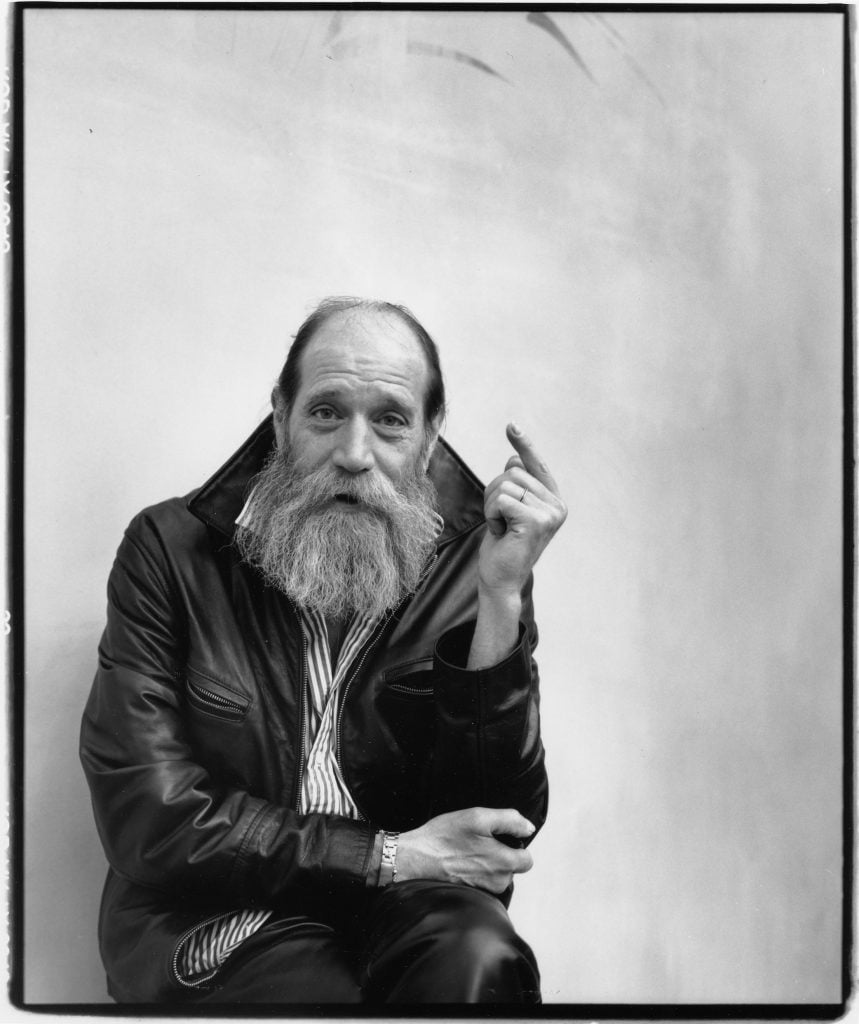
[465, 920]
[457, 942]
[474, 931]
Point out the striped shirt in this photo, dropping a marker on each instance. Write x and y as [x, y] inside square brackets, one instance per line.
[202, 951]
[323, 788]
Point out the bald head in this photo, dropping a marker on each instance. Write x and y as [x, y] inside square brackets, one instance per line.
[356, 316]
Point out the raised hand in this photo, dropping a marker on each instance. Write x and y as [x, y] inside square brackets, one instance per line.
[462, 847]
[523, 510]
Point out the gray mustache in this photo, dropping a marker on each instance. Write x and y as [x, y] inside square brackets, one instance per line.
[375, 493]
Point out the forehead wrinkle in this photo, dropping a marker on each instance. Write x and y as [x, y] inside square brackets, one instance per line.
[375, 359]
[340, 378]
[372, 393]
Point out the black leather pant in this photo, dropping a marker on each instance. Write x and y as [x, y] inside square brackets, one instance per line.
[412, 942]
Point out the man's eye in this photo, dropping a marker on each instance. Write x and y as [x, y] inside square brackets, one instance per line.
[323, 412]
[391, 419]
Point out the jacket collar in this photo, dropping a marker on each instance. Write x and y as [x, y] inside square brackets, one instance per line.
[219, 501]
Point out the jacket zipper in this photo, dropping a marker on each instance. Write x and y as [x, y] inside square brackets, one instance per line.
[301, 710]
[183, 939]
[214, 699]
[209, 921]
[403, 688]
[371, 643]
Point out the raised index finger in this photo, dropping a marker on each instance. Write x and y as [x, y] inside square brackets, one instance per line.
[531, 460]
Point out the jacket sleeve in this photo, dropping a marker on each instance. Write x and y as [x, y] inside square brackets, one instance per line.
[488, 750]
[162, 819]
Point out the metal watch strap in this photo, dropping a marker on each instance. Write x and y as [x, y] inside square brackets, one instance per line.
[388, 868]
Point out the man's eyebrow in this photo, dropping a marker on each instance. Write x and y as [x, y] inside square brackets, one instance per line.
[323, 394]
[397, 404]
[386, 400]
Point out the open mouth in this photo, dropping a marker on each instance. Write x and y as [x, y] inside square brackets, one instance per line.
[348, 499]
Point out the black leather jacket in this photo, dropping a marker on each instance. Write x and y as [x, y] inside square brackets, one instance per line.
[191, 738]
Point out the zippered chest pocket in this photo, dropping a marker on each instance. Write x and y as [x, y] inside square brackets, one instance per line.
[412, 679]
[214, 698]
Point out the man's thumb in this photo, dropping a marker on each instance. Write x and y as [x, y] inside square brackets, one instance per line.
[509, 822]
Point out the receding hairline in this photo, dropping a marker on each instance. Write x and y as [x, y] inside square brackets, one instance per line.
[366, 310]
[288, 384]
[345, 320]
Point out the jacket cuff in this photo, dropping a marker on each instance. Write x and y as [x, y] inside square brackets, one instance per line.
[299, 850]
[490, 692]
[374, 865]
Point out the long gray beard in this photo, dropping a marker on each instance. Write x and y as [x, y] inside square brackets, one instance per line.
[334, 560]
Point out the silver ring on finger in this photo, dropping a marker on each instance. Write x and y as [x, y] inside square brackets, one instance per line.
[524, 492]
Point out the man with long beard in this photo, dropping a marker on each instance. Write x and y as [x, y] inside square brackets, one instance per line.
[313, 740]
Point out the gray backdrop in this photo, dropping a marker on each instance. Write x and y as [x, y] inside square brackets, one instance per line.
[624, 230]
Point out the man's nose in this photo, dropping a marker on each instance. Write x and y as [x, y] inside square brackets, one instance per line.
[354, 451]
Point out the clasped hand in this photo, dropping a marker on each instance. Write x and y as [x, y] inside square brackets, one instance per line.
[461, 846]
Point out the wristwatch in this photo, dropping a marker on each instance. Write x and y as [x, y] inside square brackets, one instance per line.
[388, 868]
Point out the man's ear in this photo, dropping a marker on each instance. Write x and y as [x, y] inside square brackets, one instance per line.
[433, 433]
[280, 415]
